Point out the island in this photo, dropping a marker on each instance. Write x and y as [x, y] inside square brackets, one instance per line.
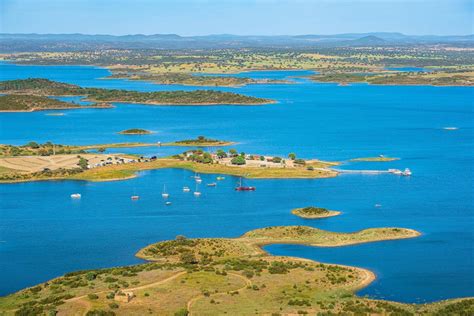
[38, 87]
[184, 276]
[311, 212]
[30, 103]
[187, 79]
[200, 141]
[374, 159]
[135, 131]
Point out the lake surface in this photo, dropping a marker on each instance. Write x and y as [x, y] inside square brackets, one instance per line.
[43, 233]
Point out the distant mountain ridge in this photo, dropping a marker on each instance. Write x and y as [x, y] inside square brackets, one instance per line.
[31, 42]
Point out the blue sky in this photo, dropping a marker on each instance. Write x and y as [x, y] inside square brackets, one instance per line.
[243, 17]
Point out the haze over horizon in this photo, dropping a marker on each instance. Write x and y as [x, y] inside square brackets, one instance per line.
[245, 17]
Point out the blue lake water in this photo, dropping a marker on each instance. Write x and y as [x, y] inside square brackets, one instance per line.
[410, 69]
[43, 233]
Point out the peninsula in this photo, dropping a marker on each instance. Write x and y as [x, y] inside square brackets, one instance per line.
[225, 275]
[37, 87]
[30, 103]
[18, 167]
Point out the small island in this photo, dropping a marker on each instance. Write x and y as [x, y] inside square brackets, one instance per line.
[375, 159]
[200, 141]
[135, 131]
[311, 212]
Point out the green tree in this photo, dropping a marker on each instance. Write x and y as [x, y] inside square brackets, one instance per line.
[83, 163]
[188, 257]
[33, 145]
[207, 158]
[276, 159]
[292, 156]
[239, 160]
[232, 152]
[221, 154]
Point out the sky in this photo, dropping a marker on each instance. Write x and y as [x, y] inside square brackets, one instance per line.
[240, 17]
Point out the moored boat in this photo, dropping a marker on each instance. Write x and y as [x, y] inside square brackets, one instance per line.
[186, 189]
[75, 196]
[241, 187]
[135, 197]
[197, 193]
[164, 194]
[213, 184]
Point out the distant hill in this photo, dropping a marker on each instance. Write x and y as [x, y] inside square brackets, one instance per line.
[369, 40]
[74, 42]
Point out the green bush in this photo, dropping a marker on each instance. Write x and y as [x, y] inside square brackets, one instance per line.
[239, 160]
[92, 296]
[182, 312]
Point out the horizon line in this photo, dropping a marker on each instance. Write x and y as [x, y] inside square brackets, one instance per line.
[242, 35]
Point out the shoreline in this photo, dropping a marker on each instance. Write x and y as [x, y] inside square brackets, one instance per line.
[127, 171]
[59, 108]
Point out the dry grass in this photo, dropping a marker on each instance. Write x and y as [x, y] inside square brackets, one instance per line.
[38, 163]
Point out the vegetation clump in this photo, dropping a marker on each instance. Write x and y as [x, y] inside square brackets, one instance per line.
[313, 212]
[201, 141]
[29, 103]
[135, 131]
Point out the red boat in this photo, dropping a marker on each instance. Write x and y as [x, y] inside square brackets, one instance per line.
[243, 188]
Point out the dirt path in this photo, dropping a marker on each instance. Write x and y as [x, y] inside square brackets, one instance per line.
[194, 299]
[87, 305]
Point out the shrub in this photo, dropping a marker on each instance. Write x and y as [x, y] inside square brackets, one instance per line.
[182, 312]
[276, 159]
[239, 160]
[100, 312]
[114, 305]
[92, 296]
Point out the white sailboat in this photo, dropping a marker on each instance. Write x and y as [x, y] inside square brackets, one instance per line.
[197, 193]
[75, 196]
[164, 194]
[186, 189]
